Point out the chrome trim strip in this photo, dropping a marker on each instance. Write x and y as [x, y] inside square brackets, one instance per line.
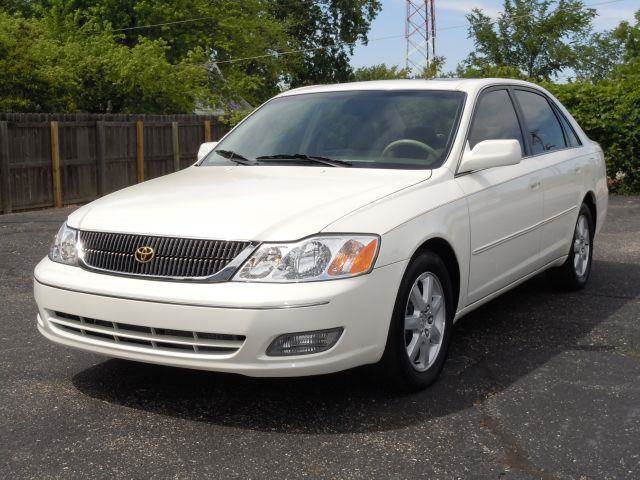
[524, 231]
[183, 304]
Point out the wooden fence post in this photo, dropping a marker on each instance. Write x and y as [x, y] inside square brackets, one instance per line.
[176, 146]
[23, 142]
[5, 181]
[140, 149]
[207, 130]
[55, 165]
[101, 159]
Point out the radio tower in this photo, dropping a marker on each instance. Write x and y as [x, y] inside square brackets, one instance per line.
[420, 34]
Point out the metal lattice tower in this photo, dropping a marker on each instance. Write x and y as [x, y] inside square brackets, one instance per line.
[420, 34]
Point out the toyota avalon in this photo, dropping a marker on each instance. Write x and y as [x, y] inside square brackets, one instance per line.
[335, 226]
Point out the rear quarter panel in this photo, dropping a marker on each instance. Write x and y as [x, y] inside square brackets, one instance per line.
[594, 176]
[597, 183]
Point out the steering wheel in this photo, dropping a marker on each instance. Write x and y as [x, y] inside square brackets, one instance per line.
[410, 142]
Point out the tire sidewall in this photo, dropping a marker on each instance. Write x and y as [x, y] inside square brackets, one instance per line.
[582, 280]
[396, 348]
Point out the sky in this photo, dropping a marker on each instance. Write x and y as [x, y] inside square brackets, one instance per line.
[452, 43]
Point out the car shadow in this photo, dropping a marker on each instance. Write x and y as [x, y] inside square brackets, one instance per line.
[493, 347]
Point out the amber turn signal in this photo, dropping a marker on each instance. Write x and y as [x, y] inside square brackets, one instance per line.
[353, 258]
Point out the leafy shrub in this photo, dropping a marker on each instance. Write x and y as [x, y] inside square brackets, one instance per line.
[609, 113]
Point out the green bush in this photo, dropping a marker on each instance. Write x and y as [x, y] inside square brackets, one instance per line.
[45, 67]
[609, 112]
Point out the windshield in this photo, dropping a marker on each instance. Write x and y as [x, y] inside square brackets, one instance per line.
[384, 129]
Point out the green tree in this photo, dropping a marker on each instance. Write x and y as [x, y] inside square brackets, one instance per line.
[434, 69]
[536, 38]
[609, 50]
[606, 102]
[45, 70]
[229, 33]
[379, 72]
[394, 72]
[225, 30]
[609, 112]
[327, 31]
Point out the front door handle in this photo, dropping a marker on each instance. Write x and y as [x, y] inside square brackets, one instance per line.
[535, 185]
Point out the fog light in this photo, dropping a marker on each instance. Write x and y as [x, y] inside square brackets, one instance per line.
[304, 343]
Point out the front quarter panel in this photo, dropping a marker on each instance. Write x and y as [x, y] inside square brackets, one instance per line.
[405, 221]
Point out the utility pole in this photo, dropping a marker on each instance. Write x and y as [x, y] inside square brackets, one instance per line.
[420, 34]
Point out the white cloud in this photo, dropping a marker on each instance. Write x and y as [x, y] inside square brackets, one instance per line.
[463, 6]
[610, 16]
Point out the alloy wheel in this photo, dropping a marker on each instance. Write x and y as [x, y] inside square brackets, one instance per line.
[581, 246]
[424, 321]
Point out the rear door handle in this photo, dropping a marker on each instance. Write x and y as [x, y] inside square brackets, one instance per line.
[535, 185]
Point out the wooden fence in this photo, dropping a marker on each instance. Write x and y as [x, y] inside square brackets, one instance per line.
[50, 160]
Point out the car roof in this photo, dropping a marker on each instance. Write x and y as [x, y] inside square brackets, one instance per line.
[468, 85]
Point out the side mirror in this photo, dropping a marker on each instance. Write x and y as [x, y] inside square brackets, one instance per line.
[205, 148]
[490, 153]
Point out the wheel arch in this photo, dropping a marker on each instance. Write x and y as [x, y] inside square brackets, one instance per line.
[445, 251]
[590, 200]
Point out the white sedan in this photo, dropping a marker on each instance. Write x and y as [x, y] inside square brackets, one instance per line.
[336, 226]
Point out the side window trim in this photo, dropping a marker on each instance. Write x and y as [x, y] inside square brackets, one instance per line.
[565, 124]
[522, 122]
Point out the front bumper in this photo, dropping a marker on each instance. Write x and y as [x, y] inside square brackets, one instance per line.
[259, 312]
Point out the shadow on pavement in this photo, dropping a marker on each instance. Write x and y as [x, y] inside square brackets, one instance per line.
[493, 347]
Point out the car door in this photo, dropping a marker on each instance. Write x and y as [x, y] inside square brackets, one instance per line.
[556, 148]
[505, 203]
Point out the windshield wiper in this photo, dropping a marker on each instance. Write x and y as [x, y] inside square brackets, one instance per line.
[311, 158]
[234, 157]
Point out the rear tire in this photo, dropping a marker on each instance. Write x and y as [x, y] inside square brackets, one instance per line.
[421, 325]
[574, 273]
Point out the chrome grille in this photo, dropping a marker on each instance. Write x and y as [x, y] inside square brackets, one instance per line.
[157, 339]
[177, 258]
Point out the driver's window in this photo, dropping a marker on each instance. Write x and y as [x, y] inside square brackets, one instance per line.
[495, 119]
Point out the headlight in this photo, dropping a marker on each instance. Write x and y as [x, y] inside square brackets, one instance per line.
[65, 246]
[324, 257]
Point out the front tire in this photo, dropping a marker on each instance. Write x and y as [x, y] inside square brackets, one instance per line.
[574, 272]
[421, 325]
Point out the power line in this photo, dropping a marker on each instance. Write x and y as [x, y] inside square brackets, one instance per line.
[302, 50]
[198, 19]
[153, 25]
[493, 22]
[174, 22]
[312, 49]
[389, 37]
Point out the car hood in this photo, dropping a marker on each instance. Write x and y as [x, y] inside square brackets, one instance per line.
[242, 202]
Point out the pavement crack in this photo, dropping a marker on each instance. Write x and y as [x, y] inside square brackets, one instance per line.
[514, 458]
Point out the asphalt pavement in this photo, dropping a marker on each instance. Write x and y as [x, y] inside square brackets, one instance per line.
[539, 384]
